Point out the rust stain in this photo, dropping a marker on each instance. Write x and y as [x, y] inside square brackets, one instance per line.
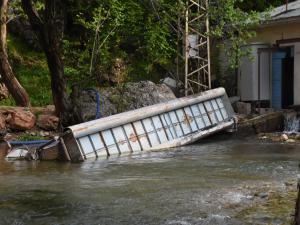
[187, 119]
[122, 142]
[133, 138]
[80, 129]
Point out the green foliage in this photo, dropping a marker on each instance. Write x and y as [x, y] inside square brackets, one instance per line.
[232, 26]
[28, 137]
[143, 34]
[129, 30]
[36, 81]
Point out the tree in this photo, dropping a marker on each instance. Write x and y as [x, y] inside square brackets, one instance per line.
[137, 32]
[232, 27]
[14, 87]
[49, 29]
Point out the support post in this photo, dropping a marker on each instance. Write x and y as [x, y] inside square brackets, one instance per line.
[186, 42]
[197, 47]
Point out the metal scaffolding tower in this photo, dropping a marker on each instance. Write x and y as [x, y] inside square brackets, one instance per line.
[197, 48]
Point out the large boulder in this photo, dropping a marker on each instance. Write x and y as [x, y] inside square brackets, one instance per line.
[20, 119]
[123, 98]
[47, 122]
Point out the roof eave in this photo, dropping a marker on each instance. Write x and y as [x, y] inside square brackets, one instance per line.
[270, 23]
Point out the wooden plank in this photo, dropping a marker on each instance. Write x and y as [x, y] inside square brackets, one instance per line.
[72, 147]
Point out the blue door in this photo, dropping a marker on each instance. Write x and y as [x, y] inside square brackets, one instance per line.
[277, 58]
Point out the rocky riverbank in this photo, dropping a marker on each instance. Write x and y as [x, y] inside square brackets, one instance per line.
[36, 123]
[18, 122]
[39, 123]
[108, 101]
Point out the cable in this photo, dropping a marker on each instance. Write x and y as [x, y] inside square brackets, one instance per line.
[98, 112]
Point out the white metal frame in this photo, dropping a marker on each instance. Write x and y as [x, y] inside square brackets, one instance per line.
[165, 125]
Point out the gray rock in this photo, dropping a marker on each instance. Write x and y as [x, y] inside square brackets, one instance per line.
[47, 122]
[263, 195]
[123, 98]
[243, 108]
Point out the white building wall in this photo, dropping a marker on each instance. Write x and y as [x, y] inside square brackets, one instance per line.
[282, 32]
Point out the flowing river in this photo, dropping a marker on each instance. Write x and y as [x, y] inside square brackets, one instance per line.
[214, 182]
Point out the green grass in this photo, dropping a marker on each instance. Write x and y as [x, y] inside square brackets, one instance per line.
[28, 137]
[30, 68]
[36, 81]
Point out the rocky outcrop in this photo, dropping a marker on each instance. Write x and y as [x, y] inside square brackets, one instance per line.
[20, 119]
[123, 98]
[47, 122]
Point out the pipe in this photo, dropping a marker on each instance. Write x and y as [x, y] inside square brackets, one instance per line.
[98, 110]
[36, 142]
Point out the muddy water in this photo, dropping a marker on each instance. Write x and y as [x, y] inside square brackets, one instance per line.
[220, 182]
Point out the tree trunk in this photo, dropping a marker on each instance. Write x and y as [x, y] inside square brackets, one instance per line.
[50, 32]
[15, 89]
[58, 85]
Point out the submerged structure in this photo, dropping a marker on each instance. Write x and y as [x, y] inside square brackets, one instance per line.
[174, 123]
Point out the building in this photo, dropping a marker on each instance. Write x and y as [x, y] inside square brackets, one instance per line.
[272, 77]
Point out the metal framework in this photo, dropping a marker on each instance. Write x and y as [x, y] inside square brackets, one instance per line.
[165, 125]
[197, 48]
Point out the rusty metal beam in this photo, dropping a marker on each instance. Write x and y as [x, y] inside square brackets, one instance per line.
[197, 52]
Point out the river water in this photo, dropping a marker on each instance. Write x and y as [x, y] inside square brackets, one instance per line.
[215, 182]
